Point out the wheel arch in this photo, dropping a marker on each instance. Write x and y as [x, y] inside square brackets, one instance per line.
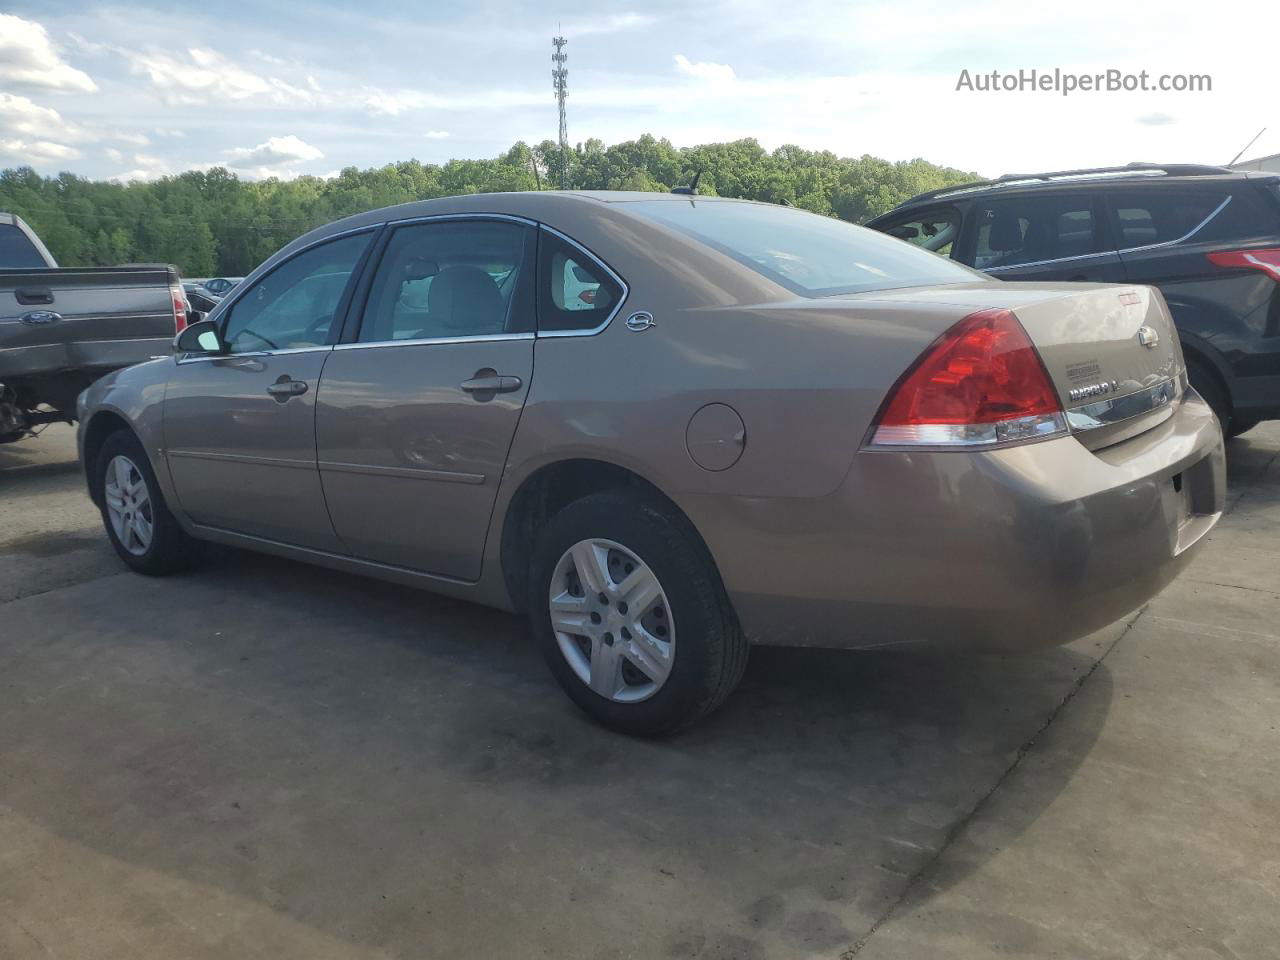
[554, 486]
[100, 426]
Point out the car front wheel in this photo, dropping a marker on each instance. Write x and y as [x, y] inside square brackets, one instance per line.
[631, 616]
[139, 525]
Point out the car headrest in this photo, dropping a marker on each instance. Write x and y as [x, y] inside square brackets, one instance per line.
[465, 298]
[1006, 232]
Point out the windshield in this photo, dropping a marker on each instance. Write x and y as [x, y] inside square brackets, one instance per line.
[811, 255]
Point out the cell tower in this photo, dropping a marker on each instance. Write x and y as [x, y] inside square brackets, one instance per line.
[560, 83]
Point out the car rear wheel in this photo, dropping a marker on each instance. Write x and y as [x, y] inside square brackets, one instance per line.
[139, 525]
[631, 617]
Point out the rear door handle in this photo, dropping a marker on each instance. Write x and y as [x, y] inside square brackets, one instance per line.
[284, 388]
[492, 384]
[30, 296]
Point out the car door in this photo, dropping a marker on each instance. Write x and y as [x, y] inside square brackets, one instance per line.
[1054, 236]
[240, 427]
[415, 417]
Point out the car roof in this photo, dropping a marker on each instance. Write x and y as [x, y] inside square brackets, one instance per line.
[1146, 174]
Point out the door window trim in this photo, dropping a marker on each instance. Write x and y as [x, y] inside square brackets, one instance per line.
[360, 296]
[600, 327]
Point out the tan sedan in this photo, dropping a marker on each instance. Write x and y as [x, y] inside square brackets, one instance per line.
[667, 427]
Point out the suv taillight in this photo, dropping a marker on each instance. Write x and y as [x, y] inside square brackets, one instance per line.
[981, 382]
[179, 300]
[1267, 260]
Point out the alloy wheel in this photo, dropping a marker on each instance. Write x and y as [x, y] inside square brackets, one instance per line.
[128, 503]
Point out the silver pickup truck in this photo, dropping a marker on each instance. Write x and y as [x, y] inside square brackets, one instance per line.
[61, 329]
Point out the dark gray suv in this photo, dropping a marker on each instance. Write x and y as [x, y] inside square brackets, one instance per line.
[1207, 237]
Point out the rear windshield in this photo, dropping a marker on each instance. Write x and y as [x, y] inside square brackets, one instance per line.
[810, 255]
[16, 250]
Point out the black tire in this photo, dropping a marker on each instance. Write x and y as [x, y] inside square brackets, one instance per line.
[710, 653]
[170, 549]
[1209, 386]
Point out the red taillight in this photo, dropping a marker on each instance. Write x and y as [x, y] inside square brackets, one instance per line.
[1268, 261]
[980, 382]
[179, 300]
[587, 296]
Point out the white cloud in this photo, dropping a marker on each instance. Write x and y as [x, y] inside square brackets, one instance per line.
[37, 151]
[436, 134]
[718, 72]
[1157, 119]
[28, 58]
[205, 75]
[133, 139]
[114, 155]
[274, 153]
[18, 115]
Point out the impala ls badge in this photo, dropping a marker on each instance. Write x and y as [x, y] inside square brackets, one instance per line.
[38, 318]
[1148, 337]
[640, 320]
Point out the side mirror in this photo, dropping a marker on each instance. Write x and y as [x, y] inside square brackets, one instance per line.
[200, 337]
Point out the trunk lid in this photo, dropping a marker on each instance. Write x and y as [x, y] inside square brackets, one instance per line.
[1111, 350]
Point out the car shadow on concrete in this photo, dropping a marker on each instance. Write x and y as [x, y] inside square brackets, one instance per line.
[354, 754]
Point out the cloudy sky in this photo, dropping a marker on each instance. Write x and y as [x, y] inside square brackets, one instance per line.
[282, 87]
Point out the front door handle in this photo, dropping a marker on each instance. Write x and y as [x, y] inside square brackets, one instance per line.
[284, 388]
[491, 384]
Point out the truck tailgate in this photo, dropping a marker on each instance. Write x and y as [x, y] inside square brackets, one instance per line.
[92, 318]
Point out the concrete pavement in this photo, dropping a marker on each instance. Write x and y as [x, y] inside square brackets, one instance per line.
[262, 759]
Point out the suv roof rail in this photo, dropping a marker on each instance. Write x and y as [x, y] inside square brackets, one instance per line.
[1168, 169]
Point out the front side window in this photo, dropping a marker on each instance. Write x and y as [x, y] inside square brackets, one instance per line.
[296, 304]
[1023, 230]
[808, 254]
[451, 278]
[934, 231]
[574, 292]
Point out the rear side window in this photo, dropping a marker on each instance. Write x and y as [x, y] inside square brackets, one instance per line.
[17, 251]
[1142, 218]
[808, 254]
[1024, 230]
[574, 291]
[451, 278]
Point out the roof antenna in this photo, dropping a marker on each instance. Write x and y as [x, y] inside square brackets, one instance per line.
[692, 188]
[1247, 146]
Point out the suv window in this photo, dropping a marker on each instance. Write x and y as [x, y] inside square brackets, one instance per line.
[17, 251]
[451, 278]
[934, 230]
[296, 304]
[574, 292]
[1144, 217]
[1022, 230]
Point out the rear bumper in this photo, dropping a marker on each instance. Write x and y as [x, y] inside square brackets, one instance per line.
[1022, 547]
